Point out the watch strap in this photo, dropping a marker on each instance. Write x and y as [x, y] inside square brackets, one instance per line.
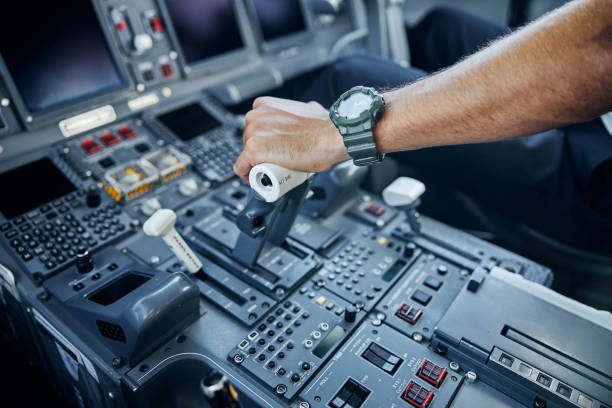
[362, 148]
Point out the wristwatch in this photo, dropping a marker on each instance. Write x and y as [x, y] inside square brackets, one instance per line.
[355, 114]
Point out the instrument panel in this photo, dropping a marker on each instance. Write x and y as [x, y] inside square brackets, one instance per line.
[117, 109]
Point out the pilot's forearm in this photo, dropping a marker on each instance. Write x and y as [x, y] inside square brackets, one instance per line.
[553, 72]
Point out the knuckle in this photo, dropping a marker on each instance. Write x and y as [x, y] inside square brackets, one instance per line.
[250, 116]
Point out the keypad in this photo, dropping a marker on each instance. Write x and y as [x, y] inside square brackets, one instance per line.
[360, 271]
[215, 159]
[52, 235]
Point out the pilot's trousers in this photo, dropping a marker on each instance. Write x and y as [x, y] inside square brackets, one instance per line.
[558, 183]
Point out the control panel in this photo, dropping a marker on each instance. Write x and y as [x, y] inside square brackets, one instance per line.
[137, 270]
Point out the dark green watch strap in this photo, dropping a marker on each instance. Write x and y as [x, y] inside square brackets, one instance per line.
[362, 148]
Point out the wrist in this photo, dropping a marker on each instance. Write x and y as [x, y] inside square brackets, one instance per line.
[334, 148]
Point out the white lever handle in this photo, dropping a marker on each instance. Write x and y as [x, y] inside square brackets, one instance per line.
[404, 191]
[161, 224]
[272, 182]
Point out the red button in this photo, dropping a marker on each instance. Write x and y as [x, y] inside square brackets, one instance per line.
[121, 25]
[127, 132]
[157, 25]
[109, 139]
[375, 210]
[166, 70]
[90, 146]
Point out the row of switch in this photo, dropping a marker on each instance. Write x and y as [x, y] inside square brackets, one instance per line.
[91, 146]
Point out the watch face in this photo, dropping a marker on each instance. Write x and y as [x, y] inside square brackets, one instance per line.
[355, 105]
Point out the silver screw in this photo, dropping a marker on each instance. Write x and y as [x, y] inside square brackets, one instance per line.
[464, 272]
[418, 337]
[453, 366]
[154, 260]
[376, 322]
[281, 389]
[381, 316]
[304, 404]
[238, 358]
[110, 395]
[5, 102]
[471, 376]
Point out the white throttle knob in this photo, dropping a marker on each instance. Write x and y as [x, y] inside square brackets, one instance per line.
[404, 191]
[272, 182]
[161, 224]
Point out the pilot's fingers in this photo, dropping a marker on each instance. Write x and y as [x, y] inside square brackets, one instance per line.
[242, 167]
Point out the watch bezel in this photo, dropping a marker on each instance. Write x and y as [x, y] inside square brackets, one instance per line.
[370, 114]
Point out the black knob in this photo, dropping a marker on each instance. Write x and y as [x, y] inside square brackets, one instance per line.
[410, 248]
[84, 261]
[93, 198]
[350, 314]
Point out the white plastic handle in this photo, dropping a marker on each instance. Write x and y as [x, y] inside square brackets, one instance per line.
[161, 224]
[272, 182]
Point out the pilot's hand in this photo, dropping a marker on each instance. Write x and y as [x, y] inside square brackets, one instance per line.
[295, 135]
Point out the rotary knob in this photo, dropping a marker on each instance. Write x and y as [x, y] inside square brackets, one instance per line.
[350, 314]
[84, 261]
[93, 197]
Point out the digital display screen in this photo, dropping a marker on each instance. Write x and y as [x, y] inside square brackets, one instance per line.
[329, 342]
[27, 187]
[204, 28]
[393, 271]
[278, 18]
[56, 53]
[189, 121]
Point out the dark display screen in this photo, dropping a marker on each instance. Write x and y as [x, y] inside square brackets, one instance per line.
[205, 28]
[329, 342]
[27, 187]
[56, 53]
[118, 289]
[279, 18]
[189, 121]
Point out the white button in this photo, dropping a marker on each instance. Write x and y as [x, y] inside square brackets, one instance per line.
[143, 42]
[188, 187]
[148, 207]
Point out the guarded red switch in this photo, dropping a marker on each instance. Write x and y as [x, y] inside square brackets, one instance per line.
[409, 314]
[90, 146]
[418, 396]
[109, 139]
[126, 132]
[432, 373]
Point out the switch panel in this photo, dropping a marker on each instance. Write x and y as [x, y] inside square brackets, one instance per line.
[351, 395]
[294, 340]
[362, 359]
[422, 295]
[382, 358]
